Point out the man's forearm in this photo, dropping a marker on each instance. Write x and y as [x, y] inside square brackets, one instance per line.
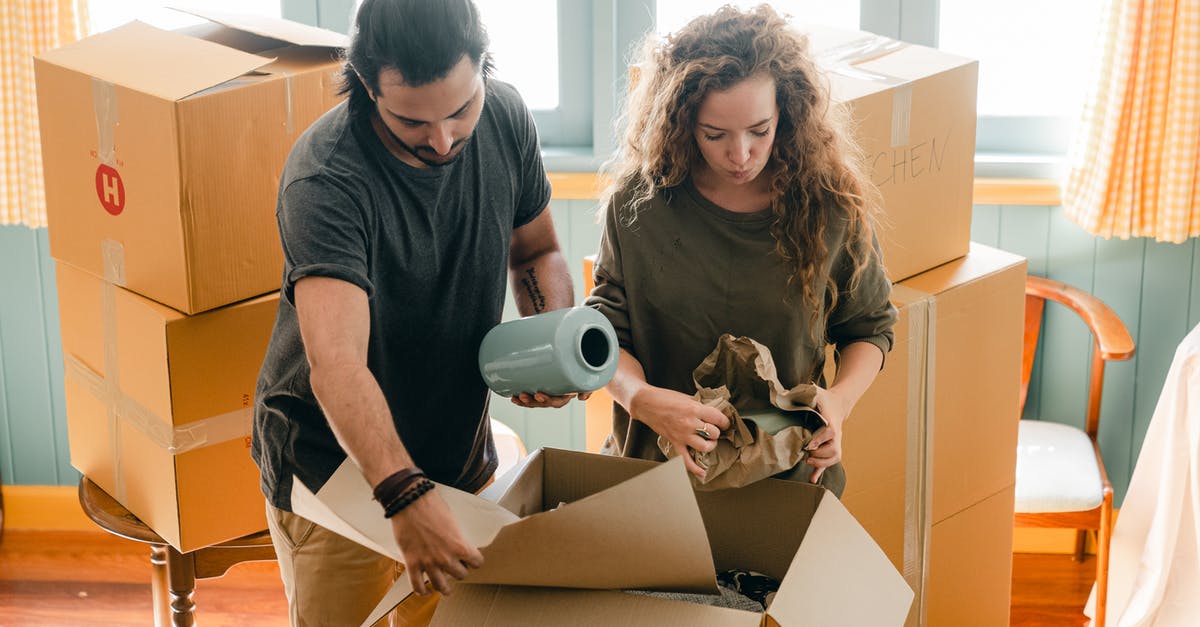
[542, 284]
[359, 416]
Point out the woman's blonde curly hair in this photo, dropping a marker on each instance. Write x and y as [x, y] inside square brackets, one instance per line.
[815, 170]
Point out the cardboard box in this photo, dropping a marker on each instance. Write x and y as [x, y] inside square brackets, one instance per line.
[970, 565]
[914, 112]
[568, 530]
[159, 406]
[936, 434]
[163, 151]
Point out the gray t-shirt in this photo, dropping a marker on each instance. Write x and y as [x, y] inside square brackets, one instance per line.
[430, 247]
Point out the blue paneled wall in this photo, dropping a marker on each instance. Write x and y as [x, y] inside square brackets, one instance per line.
[1153, 287]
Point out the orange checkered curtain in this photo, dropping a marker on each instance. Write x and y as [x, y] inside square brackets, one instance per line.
[1135, 166]
[27, 27]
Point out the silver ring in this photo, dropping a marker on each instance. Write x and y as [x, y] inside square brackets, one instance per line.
[703, 432]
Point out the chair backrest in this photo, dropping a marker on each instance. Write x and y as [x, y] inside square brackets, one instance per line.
[1111, 340]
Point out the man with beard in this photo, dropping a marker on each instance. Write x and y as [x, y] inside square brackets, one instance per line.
[400, 212]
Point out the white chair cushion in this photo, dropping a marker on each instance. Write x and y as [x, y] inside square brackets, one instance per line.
[1056, 469]
[509, 447]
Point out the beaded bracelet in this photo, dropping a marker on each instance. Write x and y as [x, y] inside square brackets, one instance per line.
[408, 498]
[396, 484]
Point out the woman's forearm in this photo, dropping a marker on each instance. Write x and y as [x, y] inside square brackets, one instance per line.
[858, 365]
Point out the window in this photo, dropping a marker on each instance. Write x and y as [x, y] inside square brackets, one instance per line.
[544, 48]
[525, 47]
[568, 58]
[108, 14]
[1033, 71]
[673, 14]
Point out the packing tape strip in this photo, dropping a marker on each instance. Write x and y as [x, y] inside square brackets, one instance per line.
[121, 409]
[843, 60]
[104, 104]
[901, 114]
[287, 91]
[111, 385]
[859, 50]
[113, 261]
[112, 254]
[922, 330]
[175, 440]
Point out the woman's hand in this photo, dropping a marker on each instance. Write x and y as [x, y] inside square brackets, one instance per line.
[825, 447]
[683, 421]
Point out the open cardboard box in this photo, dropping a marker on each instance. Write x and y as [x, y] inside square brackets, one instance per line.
[565, 531]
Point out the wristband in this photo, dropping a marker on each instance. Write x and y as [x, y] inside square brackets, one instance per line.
[396, 484]
[407, 498]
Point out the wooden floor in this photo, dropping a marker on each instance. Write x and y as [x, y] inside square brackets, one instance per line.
[82, 579]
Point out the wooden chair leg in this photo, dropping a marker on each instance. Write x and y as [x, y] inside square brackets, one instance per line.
[158, 585]
[181, 580]
[1080, 544]
[1103, 542]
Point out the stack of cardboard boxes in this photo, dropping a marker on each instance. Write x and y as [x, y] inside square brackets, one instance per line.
[162, 154]
[930, 450]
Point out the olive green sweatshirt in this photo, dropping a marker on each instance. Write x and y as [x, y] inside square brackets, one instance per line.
[686, 271]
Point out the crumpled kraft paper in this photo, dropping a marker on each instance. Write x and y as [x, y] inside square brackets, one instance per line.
[739, 374]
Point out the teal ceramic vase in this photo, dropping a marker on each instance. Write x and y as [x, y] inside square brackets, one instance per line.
[558, 352]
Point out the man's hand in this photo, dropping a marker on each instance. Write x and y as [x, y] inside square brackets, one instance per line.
[541, 399]
[681, 420]
[432, 544]
[825, 447]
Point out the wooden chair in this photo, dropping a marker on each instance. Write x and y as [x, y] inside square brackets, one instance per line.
[174, 574]
[1061, 480]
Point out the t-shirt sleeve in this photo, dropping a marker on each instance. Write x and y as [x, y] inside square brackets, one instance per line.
[865, 313]
[608, 297]
[323, 231]
[535, 185]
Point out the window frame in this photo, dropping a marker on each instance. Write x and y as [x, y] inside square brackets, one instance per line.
[596, 39]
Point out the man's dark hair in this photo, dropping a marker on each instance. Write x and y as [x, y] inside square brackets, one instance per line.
[421, 39]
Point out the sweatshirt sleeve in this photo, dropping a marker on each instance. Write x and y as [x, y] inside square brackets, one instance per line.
[608, 297]
[864, 312]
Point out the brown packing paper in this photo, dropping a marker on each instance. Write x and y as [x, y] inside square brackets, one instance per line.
[739, 377]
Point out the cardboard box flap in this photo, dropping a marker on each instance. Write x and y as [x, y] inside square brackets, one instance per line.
[643, 533]
[161, 63]
[837, 562]
[669, 551]
[508, 606]
[496, 489]
[273, 27]
[346, 504]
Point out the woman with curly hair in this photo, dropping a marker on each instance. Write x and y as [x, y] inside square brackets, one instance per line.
[737, 205]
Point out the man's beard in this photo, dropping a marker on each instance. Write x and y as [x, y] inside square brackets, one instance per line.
[416, 152]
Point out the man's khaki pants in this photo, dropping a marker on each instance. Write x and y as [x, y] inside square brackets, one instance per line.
[331, 581]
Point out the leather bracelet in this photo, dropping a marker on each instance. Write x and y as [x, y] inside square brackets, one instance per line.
[396, 483]
[407, 498]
